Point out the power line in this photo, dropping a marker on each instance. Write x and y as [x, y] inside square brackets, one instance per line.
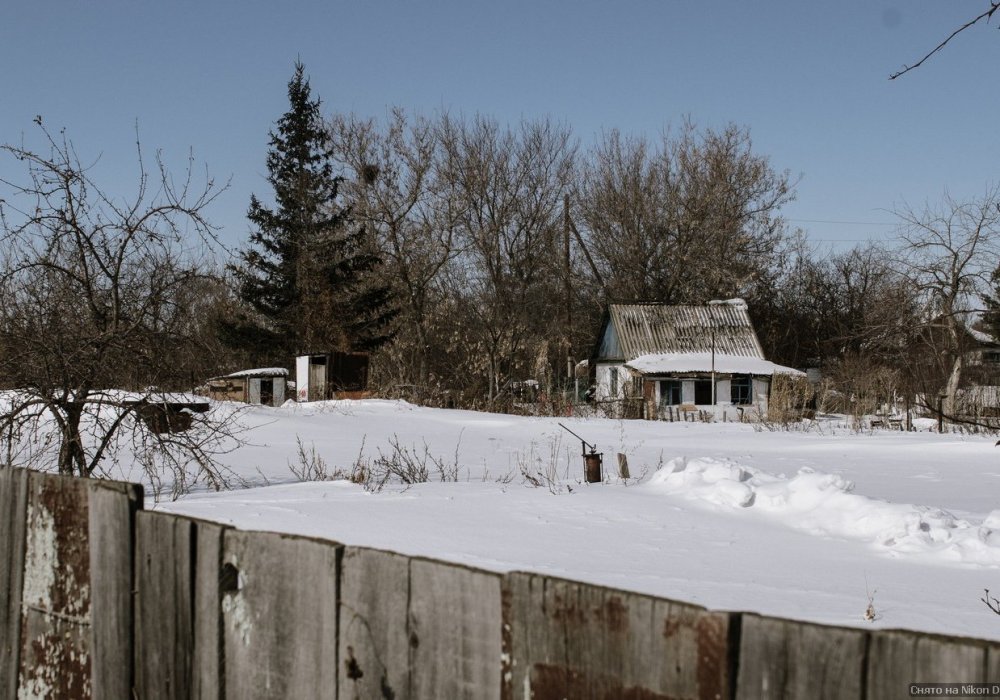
[849, 223]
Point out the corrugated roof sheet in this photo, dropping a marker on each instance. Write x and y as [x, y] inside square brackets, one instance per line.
[646, 329]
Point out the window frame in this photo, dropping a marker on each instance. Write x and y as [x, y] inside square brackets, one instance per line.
[741, 390]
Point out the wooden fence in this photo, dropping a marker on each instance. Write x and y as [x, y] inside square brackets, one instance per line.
[99, 599]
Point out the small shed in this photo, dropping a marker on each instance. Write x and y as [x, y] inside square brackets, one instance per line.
[264, 385]
[329, 375]
[656, 359]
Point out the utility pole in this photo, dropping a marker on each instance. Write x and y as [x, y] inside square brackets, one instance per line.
[568, 281]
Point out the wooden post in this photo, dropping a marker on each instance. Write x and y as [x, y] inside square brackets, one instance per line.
[623, 466]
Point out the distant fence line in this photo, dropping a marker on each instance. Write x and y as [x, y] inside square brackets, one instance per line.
[100, 599]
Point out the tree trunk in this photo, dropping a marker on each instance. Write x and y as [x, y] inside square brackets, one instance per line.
[951, 388]
[71, 456]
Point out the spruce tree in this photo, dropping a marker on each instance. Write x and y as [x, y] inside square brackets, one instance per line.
[309, 275]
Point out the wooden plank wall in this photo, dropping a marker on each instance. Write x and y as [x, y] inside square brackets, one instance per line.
[178, 607]
[785, 659]
[279, 611]
[417, 628]
[898, 658]
[570, 639]
[221, 613]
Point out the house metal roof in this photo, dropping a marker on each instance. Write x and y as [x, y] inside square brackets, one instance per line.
[648, 329]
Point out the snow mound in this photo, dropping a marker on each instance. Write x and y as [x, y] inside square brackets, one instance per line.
[824, 505]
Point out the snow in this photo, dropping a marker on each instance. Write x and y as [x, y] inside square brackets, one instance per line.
[981, 336]
[802, 523]
[259, 372]
[671, 363]
[736, 302]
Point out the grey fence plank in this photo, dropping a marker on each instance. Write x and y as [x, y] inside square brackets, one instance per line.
[568, 639]
[207, 666]
[455, 623]
[112, 508]
[13, 514]
[374, 646]
[898, 658]
[788, 659]
[280, 616]
[993, 662]
[55, 654]
[164, 606]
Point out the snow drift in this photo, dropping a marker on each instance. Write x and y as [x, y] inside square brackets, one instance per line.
[822, 504]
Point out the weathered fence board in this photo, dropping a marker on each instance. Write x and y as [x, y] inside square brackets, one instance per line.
[569, 639]
[164, 608]
[897, 658]
[455, 630]
[111, 528]
[280, 616]
[56, 612]
[787, 659]
[13, 516]
[374, 644]
[76, 613]
[207, 671]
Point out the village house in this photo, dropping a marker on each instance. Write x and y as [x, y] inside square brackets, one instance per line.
[653, 360]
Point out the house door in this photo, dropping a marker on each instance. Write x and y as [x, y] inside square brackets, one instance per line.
[317, 378]
[267, 392]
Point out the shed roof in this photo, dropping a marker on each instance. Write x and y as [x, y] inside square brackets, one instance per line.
[653, 328]
[258, 372]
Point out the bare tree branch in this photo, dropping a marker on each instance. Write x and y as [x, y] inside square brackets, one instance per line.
[985, 15]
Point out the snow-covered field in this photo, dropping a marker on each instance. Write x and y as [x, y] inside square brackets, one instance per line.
[799, 524]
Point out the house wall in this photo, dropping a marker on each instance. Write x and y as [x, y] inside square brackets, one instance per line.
[602, 385]
[723, 409]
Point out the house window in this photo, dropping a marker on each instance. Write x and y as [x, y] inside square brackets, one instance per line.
[741, 390]
[614, 382]
[703, 392]
[670, 392]
[991, 357]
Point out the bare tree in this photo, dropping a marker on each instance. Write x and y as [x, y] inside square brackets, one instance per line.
[949, 253]
[396, 187]
[97, 297]
[510, 186]
[692, 218]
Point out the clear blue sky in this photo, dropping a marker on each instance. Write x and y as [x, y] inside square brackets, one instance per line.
[808, 79]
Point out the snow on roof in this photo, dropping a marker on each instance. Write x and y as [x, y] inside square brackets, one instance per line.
[672, 363]
[151, 395]
[259, 372]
